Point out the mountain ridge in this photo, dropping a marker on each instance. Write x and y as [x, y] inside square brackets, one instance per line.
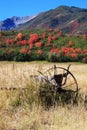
[70, 19]
[13, 22]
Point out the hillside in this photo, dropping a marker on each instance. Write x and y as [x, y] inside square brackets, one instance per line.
[68, 19]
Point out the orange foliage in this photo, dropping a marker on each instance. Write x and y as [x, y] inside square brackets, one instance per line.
[44, 35]
[33, 38]
[30, 46]
[23, 50]
[78, 50]
[65, 50]
[19, 36]
[40, 52]
[74, 55]
[38, 44]
[60, 34]
[49, 39]
[70, 44]
[55, 50]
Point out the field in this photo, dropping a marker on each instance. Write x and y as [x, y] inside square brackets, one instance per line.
[21, 110]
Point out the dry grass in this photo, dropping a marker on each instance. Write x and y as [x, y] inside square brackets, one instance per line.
[61, 118]
[16, 74]
[15, 111]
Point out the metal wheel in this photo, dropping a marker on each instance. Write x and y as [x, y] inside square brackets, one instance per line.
[68, 81]
[63, 84]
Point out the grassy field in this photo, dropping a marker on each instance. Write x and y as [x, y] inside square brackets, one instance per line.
[17, 113]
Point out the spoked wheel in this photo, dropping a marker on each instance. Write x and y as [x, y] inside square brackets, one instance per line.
[68, 80]
[63, 80]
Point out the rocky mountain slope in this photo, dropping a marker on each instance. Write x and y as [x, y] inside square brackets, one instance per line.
[12, 23]
[69, 19]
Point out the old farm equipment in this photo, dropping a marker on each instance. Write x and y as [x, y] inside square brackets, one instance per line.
[61, 80]
[60, 77]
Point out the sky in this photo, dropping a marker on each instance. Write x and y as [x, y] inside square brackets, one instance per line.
[9, 8]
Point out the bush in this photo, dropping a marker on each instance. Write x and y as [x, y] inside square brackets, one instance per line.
[56, 49]
[22, 57]
[60, 58]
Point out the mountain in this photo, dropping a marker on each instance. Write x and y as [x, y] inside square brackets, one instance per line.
[68, 19]
[12, 23]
